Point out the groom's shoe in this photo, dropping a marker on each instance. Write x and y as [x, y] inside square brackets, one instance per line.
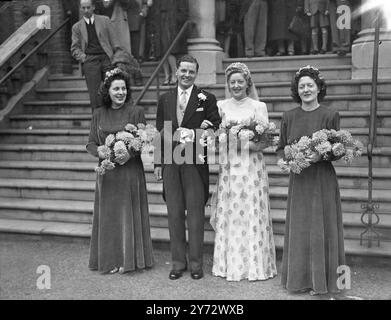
[197, 275]
[176, 274]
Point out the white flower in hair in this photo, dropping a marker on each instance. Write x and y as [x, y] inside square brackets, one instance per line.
[112, 72]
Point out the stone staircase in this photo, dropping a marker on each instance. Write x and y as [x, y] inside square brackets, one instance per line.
[47, 178]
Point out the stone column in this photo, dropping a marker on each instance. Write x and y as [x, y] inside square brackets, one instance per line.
[362, 49]
[202, 43]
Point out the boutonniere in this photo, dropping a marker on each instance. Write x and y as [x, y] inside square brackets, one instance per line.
[201, 98]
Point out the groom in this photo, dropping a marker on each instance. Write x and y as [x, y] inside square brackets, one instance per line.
[185, 185]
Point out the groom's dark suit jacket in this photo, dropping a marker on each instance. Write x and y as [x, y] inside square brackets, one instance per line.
[197, 110]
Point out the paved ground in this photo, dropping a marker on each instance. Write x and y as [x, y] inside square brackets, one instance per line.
[71, 279]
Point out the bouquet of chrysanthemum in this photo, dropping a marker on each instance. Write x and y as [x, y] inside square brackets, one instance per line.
[329, 145]
[248, 129]
[125, 144]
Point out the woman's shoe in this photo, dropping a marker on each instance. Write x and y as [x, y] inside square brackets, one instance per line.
[166, 82]
[291, 53]
[278, 54]
[121, 270]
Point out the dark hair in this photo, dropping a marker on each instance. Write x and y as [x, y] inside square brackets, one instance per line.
[187, 58]
[315, 75]
[111, 75]
[93, 2]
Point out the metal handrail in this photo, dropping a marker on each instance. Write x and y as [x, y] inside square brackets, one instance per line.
[370, 206]
[43, 42]
[157, 69]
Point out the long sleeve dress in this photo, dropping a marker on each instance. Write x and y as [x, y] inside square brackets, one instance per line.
[120, 230]
[314, 242]
[244, 245]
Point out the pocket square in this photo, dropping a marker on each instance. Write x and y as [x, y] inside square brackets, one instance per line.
[199, 109]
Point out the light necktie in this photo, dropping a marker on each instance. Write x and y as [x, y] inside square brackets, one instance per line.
[182, 106]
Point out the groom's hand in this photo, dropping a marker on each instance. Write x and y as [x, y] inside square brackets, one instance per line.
[158, 173]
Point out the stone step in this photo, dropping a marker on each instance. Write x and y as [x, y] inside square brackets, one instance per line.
[264, 87]
[318, 61]
[80, 136]
[65, 107]
[349, 119]
[274, 74]
[348, 177]
[50, 121]
[84, 191]
[58, 121]
[41, 136]
[73, 152]
[358, 102]
[83, 230]
[44, 152]
[81, 212]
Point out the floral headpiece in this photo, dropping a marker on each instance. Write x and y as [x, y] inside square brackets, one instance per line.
[310, 69]
[238, 67]
[111, 73]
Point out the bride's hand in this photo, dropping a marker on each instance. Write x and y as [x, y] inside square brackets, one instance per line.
[315, 157]
[206, 124]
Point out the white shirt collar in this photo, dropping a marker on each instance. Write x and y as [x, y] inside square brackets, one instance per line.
[92, 19]
[188, 91]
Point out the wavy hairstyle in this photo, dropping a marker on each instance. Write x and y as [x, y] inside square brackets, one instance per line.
[315, 75]
[111, 75]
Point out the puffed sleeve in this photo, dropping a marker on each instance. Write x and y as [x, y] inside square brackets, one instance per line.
[333, 122]
[283, 141]
[261, 111]
[93, 140]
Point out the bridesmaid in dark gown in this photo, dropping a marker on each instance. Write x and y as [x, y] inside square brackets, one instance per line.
[314, 242]
[121, 240]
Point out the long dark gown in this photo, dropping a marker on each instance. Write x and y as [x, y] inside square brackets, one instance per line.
[120, 230]
[314, 242]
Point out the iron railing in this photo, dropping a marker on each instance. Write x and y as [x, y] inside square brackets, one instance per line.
[32, 52]
[369, 217]
[160, 65]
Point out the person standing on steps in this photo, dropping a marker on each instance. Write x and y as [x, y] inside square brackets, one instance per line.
[185, 183]
[254, 17]
[318, 10]
[93, 45]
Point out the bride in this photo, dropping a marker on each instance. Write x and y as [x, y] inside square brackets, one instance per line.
[244, 245]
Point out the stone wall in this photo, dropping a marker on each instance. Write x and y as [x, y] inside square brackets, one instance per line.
[60, 60]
